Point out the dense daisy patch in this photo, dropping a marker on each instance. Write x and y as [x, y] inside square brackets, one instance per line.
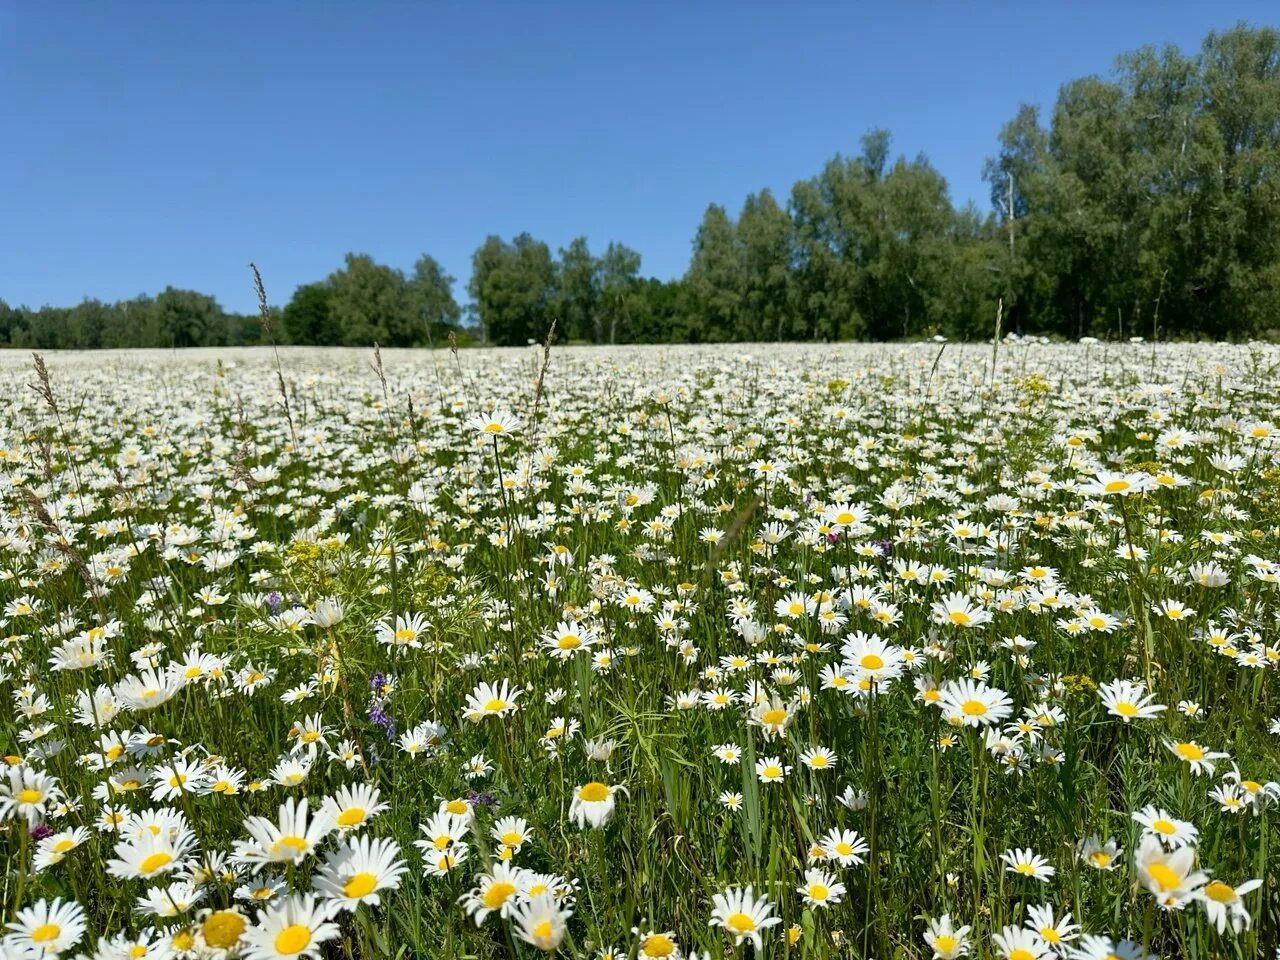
[861, 651]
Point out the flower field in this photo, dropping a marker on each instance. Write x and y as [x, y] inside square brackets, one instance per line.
[898, 651]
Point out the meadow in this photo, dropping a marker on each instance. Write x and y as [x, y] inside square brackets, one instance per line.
[856, 651]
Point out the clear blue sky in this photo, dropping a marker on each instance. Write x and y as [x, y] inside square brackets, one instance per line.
[153, 143]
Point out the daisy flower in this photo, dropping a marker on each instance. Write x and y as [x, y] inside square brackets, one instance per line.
[1057, 932]
[296, 927]
[28, 793]
[1171, 831]
[820, 888]
[1198, 758]
[742, 914]
[1016, 943]
[1024, 861]
[493, 425]
[496, 892]
[355, 873]
[593, 803]
[496, 700]
[46, 928]
[1170, 876]
[972, 703]
[1100, 856]
[1129, 700]
[352, 807]
[290, 840]
[1225, 904]
[845, 846]
[946, 942]
[541, 921]
[771, 770]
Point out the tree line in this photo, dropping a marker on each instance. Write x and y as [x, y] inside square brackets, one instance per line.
[1147, 203]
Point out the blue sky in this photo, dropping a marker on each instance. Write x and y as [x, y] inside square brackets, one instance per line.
[153, 143]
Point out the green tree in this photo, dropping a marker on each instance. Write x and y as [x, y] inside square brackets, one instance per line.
[185, 318]
[619, 273]
[576, 302]
[715, 280]
[434, 310]
[765, 234]
[307, 318]
[370, 303]
[511, 288]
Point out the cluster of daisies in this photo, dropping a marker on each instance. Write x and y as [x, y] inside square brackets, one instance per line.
[832, 651]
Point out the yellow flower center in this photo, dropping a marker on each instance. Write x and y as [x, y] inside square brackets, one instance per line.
[1051, 934]
[1126, 709]
[1021, 953]
[223, 929]
[154, 862]
[512, 839]
[818, 891]
[498, 894]
[974, 708]
[360, 885]
[457, 806]
[542, 930]
[295, 843]
[293, 939]
[1100, 858]
[1117, 486]
[593, 792]
[1190, 751]
[570, 641]
[772, 771]
[944, 943]
[1166, 827]
[1219, 891]
[62, 846]
[351, 816]
[871, 662]
[740, 923]
[1165, 878]
[658, 945]
[45, 932]
[771, 718]
[30, 796]
[495, 706]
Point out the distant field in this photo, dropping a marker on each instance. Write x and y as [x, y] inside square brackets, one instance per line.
[862, 651]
